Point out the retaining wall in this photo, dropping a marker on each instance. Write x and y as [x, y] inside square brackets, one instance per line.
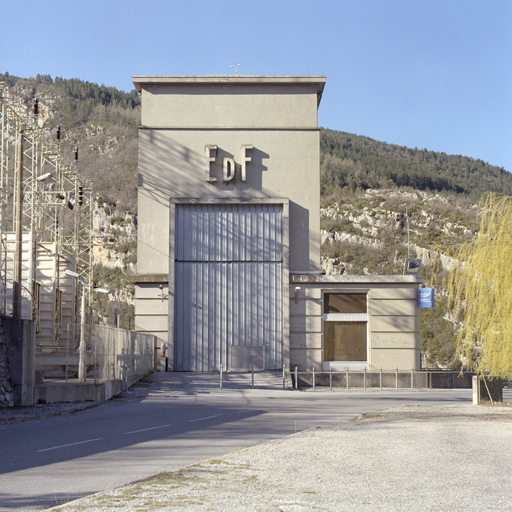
[17, 361]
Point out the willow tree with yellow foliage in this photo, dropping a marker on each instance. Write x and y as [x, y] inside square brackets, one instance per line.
[480, 291]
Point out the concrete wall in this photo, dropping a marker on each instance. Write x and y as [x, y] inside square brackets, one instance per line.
[393, 319]
[151, 310]
[17, 361]
[275, 116]
[53, 392]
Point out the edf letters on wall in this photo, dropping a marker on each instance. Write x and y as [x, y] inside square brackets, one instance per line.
[228, 163]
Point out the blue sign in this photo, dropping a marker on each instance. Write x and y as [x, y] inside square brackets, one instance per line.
[427, 297]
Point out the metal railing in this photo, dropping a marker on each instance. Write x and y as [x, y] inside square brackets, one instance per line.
[382, 379]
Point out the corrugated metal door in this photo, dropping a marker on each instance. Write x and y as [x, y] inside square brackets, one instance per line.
[228, 286]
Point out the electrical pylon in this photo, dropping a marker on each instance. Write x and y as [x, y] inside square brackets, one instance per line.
[55, 225]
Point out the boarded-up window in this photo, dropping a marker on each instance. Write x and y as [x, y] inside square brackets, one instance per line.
[345, 341]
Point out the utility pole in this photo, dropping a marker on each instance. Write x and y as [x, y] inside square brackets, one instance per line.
[82, 349]
[18, 250]
[82, 352]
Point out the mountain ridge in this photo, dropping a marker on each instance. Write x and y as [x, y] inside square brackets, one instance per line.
[380, 202]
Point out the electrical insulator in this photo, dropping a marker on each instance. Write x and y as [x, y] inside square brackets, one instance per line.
[80, 196]
[75, 152]
[36, 107]
[58, 132]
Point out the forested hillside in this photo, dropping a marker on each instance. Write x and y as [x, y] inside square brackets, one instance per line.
[102, 120]
[355, 161]
[380, 202]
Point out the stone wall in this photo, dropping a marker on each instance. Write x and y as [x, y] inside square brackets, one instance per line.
[17, 362]
[6, 386]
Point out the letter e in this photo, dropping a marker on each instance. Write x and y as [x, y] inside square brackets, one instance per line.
[211, 155]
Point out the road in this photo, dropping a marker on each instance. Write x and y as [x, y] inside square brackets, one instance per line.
[183, 419]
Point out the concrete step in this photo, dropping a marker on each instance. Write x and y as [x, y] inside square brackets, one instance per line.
[190, 383]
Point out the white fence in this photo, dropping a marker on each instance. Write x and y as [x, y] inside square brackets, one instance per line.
[111, 354]
[119, 354]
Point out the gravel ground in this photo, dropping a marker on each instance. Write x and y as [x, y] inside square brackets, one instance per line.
[411, 458]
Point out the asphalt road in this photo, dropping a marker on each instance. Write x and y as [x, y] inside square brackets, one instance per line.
[183, 419]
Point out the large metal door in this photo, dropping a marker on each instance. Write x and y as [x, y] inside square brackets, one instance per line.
[228, 286]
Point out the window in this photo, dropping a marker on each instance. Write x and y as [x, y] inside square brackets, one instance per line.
[345, 303]
[345, 330]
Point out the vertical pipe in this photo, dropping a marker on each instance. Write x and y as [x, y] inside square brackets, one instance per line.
[426, 378]
[364, 379]
[313, 378]
[95, 359]
[396, 378]
[221, 376]
[380, 378]
[67, 350]
[116, 316]
[284, 377]
[330, 379]
[347, 379]
[4, 164]
[412, 378]
[82, 362]
[252, 371]
[296, 378]
[18, 253]
[111, 354]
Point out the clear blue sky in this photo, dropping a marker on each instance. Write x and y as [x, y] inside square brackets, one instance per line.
[433, 74]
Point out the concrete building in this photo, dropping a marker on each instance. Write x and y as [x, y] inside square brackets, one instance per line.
[229, 235]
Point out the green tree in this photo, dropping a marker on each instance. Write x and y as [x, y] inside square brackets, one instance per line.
[480, 289]
[437, 337]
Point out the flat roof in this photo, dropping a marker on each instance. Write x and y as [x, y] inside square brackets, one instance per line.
[142, 81]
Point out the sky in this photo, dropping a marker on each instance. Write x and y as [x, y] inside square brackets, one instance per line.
[433, 74]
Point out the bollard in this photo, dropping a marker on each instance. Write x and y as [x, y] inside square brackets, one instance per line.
[221, 376]
[347, 379]
[313, 378]
[381, 378]
[396, 379]
[252, 371]
[296, 379]
[412, 378]
[330, 378]
[364, 379]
